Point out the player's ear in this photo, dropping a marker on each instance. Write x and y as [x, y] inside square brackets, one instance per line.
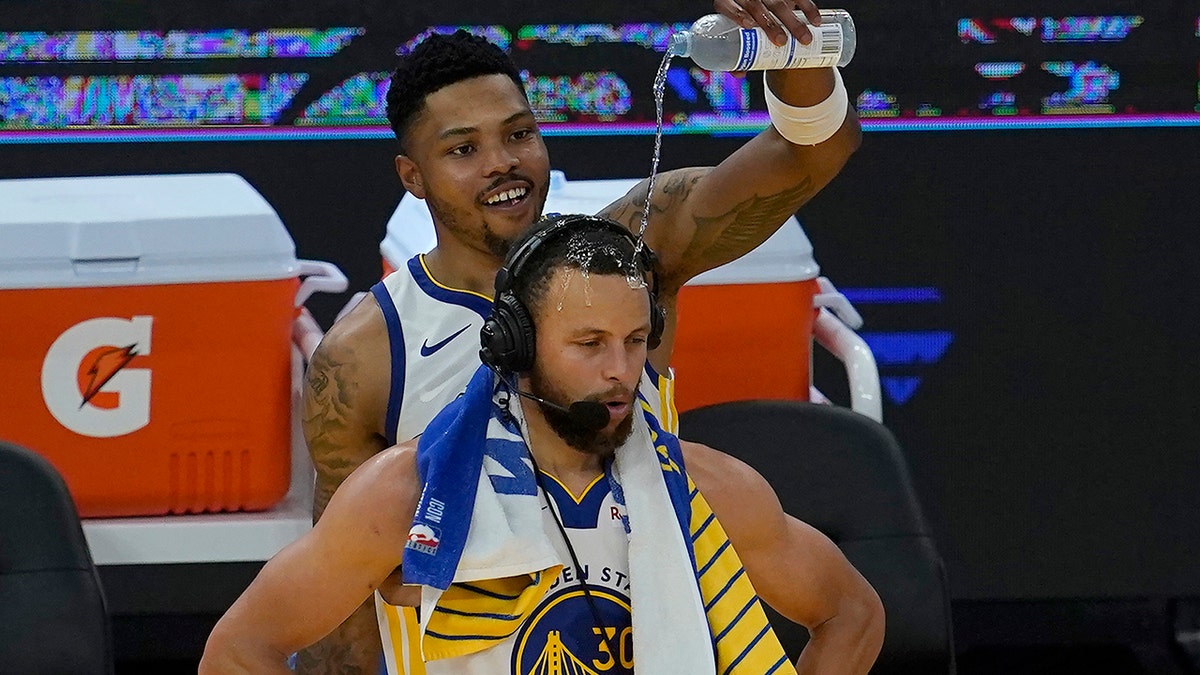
[410, 176]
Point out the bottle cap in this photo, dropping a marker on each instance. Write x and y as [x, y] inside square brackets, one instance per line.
[680, 44]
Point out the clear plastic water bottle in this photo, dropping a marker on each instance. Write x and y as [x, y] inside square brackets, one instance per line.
[716, 42]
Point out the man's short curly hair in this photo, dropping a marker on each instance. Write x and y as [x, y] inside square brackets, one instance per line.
[439, 61]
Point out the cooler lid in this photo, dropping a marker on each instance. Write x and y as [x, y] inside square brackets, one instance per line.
[786, 256]
[133, 230]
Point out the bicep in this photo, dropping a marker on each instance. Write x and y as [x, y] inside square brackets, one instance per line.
[801, 574]
[342, 413]
[794, 568]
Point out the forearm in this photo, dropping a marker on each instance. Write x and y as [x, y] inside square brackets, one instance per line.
[353, 648]
[847, 643]
[801, 86]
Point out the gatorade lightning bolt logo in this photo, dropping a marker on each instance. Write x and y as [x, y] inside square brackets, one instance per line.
[104, 366]
[87, 383]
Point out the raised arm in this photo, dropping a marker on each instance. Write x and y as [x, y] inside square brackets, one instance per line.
[345, 401]
[702, 218]
[310, 586]
[794, 568]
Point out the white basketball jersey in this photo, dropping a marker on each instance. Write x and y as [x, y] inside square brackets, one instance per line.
[433, 331]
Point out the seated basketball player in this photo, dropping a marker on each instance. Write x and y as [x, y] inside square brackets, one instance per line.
[545, 521]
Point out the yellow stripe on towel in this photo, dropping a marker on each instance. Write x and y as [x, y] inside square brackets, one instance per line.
[474, 616]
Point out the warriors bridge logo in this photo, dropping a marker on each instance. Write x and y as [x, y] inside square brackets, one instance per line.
[561, 637]
[87, 383]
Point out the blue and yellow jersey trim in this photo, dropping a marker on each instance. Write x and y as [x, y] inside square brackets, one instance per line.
[478, 302]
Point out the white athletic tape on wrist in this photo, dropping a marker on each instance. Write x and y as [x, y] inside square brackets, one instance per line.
[813, 124]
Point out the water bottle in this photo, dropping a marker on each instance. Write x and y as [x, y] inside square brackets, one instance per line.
[716, 42]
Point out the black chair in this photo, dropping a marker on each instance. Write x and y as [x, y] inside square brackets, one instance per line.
[53, 617]
[844, 474]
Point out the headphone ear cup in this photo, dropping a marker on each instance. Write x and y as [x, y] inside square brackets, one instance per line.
[491, 342]
[524, 335]
[507, 338]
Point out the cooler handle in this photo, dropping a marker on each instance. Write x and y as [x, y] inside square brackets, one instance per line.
[863, 374]
[319, 276]
[306, 334]
[834, 301]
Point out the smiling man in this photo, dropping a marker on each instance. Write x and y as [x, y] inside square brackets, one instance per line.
[471, 148]
[567, 530]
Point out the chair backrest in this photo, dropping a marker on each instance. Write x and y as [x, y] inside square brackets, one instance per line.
[53, 617]
[845, 474]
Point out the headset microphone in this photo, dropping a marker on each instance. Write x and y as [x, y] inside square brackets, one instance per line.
[590, 415]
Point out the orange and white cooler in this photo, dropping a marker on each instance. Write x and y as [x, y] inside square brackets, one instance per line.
[745, 329]
[147, 326]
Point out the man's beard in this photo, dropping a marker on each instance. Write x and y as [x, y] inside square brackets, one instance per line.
[600, 443]
[454, 220]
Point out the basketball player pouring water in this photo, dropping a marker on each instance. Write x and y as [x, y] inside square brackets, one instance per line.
[471, 148]
[551, 523]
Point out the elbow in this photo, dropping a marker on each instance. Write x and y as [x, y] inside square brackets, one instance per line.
[865, 612]
[831, 153]
[847, 139]
[849, 136]
[220, 653]
[874, 618]
[230, 651]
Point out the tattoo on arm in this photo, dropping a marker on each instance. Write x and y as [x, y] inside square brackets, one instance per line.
[328, 425]
[719, 239]
[337, 444]
[670, 190]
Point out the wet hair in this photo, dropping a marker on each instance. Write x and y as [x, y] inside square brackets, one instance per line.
[439, 61]
[590, 246]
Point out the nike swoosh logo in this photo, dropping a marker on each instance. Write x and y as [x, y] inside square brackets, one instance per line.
[428, 349]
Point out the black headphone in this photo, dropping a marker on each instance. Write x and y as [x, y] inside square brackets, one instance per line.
[508, 338]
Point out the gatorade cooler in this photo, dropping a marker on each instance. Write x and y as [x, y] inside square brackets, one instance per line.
[745, 328]
[146, 325]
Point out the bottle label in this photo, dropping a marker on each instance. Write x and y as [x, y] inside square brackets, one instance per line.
[759, 53]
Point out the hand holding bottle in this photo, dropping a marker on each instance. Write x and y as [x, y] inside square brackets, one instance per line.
[717, 42]
[776, 17]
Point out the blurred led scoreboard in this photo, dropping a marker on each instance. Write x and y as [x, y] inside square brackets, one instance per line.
[1132, 68]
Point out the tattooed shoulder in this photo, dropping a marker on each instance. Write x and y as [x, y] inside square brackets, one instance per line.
[670, 189]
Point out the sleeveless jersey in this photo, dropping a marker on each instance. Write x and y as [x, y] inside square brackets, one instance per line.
[561, 635]
[433, 333]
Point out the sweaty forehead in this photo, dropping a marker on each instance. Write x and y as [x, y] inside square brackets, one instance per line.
[575, 301]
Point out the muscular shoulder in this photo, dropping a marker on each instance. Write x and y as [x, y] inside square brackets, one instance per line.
[743, 500]
[391, 478]
[384, 490]
[354, 359]
[368, 518]
[360, 333]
